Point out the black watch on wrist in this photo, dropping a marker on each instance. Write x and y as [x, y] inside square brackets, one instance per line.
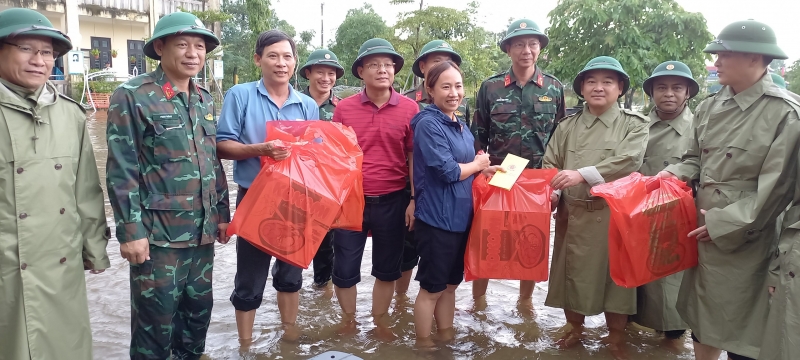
[412, 197]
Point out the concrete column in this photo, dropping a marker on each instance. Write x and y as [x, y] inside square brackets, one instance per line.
[71, 13]
[155, 9]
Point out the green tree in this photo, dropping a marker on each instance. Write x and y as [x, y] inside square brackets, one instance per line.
[793, 78]
[639, 33]
[359, 25]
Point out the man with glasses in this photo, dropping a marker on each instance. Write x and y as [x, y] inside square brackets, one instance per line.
[168, 191]
[381, 118]
[516, 113]
[52, 223]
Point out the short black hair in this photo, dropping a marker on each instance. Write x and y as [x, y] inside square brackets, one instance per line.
[274, 36]
[767, 60]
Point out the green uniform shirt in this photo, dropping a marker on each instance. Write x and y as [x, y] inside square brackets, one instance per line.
[419, 95]
[327, 107]
[165, 181]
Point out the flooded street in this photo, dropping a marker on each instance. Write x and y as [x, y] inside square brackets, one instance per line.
[498, 331]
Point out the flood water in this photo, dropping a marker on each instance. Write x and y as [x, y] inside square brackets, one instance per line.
[498, 331]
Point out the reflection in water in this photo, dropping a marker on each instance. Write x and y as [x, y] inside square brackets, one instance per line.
[500, 330]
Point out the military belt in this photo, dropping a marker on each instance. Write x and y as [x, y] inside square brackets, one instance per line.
[591, 204]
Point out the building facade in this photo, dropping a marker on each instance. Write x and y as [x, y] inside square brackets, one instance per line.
[109, 34]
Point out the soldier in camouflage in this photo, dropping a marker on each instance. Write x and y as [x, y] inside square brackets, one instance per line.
[432, 53]
[168, 191]
[322, 69]
[516, 113]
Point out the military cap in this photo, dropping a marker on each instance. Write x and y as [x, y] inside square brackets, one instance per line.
[748, 36]
[523, 27]
[322, 57]
[376, 46]
[672, 68]
[778, 80]
[601, 63]
[179, 23]
[435, 46]
[19, 21]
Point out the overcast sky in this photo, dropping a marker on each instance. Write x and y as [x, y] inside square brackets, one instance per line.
[781, 15]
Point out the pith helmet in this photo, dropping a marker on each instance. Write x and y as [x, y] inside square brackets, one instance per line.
[435, 46]
[179, 23]
[747, 36]
[672, 68]
[601, 63]
[523, 27]
[778, 80]
[18, 21]
[322, 57]
[376, 46]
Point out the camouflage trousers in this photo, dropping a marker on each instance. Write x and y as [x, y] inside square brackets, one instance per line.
[171, 303]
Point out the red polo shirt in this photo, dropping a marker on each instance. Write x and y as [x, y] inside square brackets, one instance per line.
[384, 135]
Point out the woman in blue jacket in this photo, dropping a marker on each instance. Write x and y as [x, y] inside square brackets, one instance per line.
[444, 166]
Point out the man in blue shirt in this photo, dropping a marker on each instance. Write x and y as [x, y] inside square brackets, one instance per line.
[241, 134]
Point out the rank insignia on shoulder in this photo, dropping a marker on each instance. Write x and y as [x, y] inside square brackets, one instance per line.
[210, 117]
[545, 98]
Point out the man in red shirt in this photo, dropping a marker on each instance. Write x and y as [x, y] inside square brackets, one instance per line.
[381, 118]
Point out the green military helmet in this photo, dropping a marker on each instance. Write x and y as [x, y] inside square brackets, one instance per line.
[19, 21]
[601, 63]
[523, 27]
[376, 46]
[778, 80]
[323, 57]
[179, 23]
[672, 68]
[435, 46]
[748, 36]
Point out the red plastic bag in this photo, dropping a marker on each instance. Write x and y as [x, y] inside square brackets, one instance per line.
[293, 203]
[650, 220]
[510, 234]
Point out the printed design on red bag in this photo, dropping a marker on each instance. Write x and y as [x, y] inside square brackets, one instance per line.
[281, 237]
[666, 251]
[284, 231]
[530, 246]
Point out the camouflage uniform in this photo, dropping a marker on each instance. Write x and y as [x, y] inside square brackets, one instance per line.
[166, 184]
[514, 120]
[326, 109]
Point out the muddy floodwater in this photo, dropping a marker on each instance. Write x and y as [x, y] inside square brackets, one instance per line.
[498, 330]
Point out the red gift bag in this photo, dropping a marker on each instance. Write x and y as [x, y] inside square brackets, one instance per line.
[650, 220]
[510, 234]
[293, 203]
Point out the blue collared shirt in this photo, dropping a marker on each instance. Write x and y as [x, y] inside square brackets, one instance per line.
[440, 145]
[245, 112]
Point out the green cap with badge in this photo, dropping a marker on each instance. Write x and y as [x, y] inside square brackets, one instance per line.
[179, 23]
[672, 68]
[748, 36]
[376, 46]
[323, 57]
[601, 63]
[19, 22]
[435, 46]
[523, 27]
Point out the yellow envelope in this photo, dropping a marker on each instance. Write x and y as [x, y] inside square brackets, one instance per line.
[513, 165]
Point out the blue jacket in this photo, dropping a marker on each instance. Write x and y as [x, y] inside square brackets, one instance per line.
[440, 144]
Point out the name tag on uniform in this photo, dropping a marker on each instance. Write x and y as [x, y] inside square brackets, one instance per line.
[504, 100]
[166, 117]
[545, 98]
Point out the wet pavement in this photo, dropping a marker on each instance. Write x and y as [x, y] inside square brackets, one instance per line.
[498, 330]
